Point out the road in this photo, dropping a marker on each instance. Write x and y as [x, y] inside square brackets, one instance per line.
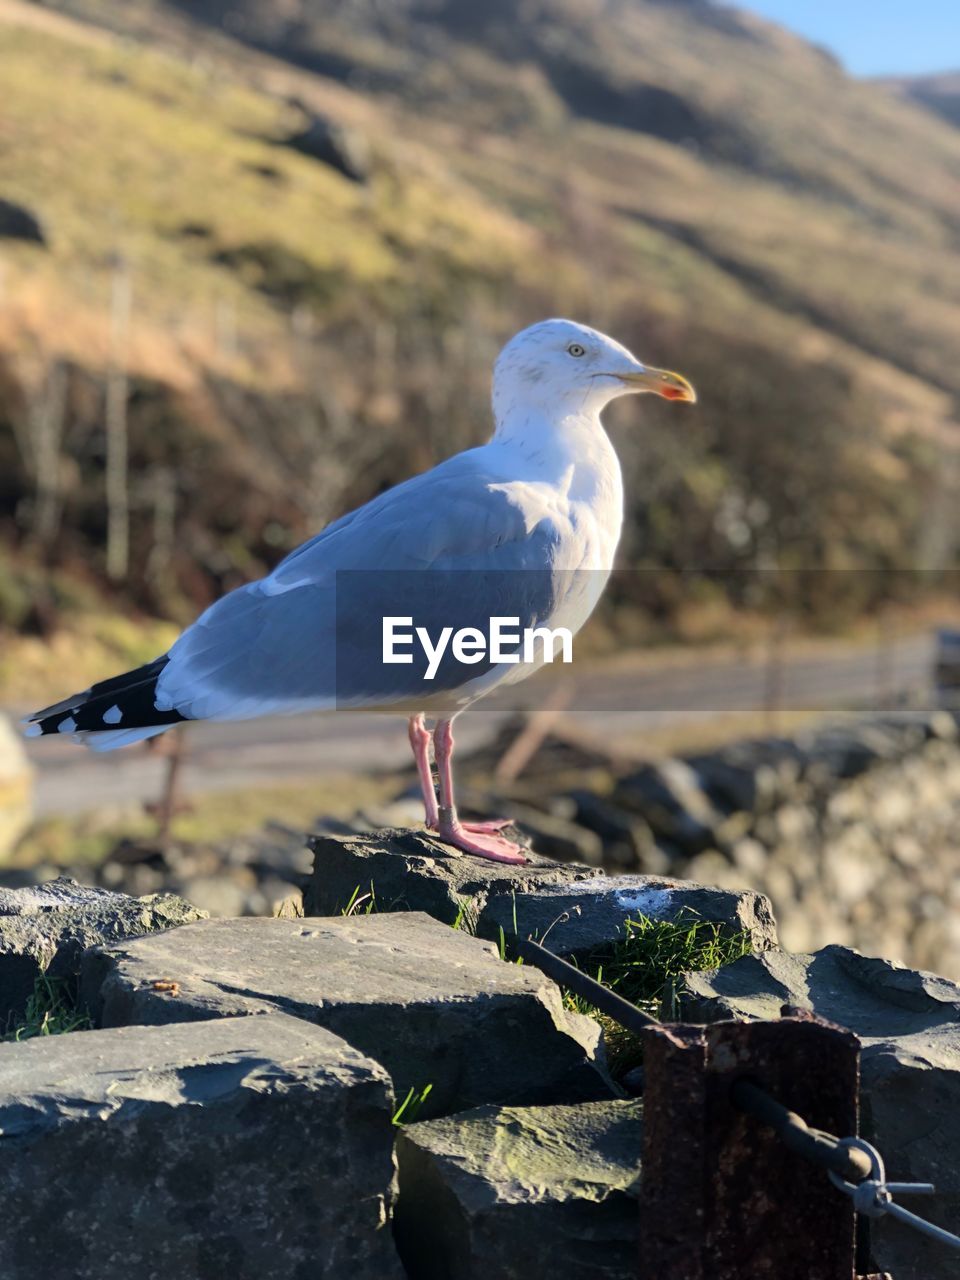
[621, 701]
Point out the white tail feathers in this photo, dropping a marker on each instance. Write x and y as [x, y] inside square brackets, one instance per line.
[110, 739]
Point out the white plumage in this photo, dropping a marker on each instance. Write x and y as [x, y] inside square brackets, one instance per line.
[524, 526]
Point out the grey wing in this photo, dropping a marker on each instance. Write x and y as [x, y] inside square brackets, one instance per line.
[446, 550]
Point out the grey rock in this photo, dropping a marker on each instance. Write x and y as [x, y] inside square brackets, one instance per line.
[873, 998]
[579, 908]
[271, 895]
[430, 1003]
[909, 1024]
[555, 836]
[57, 895]
[46, 928]
[411, 870]
[137, 881]
[219, 895]
[341, 148]
[581, 917]
[750, 857]
[559, 806]
[248, 1147]
[287, 858]
[659, 859]
[404, 811]
[634, 1081]
[515, 1193]
[847, 751]
[627, 838]
[943, 726]
[669, 797]
[734, 788]
[840, 753]
[749, 776]
[17, 222]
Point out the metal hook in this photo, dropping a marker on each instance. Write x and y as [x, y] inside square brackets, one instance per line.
[873, 1197]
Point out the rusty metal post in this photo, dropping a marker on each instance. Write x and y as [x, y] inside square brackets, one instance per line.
[722, 1198]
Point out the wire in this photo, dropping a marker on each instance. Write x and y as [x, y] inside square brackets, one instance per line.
[607, 1001]
[853, 1165]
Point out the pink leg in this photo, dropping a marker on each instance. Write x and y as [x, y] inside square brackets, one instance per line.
[420, 737]
[452, 831]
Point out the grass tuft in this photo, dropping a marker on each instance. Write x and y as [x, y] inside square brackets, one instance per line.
[361, 904]
[409, 1108]
[643, 968]
[52, 1010]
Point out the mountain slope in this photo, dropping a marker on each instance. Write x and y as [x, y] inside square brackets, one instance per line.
[939, 94]
[848, 192]
[825, 195]
[712, 189]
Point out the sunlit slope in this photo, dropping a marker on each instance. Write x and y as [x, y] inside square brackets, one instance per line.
[176, 168]
[700, 149]
[715, 192]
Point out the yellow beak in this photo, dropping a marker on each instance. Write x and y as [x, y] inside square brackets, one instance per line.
[672, 386]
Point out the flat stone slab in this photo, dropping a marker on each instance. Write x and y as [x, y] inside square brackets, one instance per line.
[516, 1193]
[432, 1004]
[579, 918]
[240, 1149]
[413, 871]
[46, 928]
[580, 907]
[909, 1024]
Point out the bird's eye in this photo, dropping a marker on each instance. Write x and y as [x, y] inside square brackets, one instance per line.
[575, 349]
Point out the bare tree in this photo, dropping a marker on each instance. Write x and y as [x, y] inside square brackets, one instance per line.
[163, 493]
[326, 427]
[38, 432]
[939, 533]
[225, 328]
[117, 478]
[48, 418]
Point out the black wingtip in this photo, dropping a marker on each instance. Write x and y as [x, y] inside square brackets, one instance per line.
[127, 701]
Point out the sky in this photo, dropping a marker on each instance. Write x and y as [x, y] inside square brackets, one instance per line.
[875, 37]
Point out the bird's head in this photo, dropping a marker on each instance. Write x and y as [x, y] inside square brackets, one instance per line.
[561, 365]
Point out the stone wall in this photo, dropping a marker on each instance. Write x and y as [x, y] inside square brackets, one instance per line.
[853, 832]
[233, 1112]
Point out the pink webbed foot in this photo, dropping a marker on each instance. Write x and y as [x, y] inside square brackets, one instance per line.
[491, 827]
[482, 844]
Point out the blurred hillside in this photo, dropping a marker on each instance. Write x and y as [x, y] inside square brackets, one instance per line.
[939, 94]
[256, 261]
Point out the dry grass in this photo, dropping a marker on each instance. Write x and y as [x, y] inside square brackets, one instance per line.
[118, 148]
[95, 645]
[215, 817]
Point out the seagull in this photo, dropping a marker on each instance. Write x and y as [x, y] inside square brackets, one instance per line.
[523, 528]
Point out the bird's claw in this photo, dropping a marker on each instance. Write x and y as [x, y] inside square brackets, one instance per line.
[482, 844]
[489, 827]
